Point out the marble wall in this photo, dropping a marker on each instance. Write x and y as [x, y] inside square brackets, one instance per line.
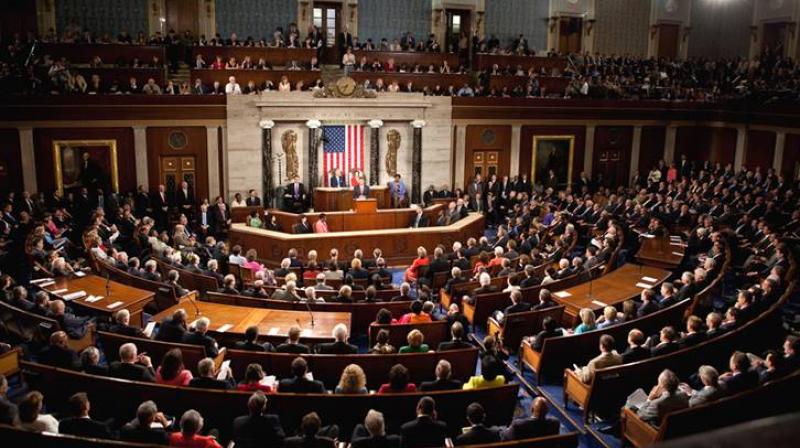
[720, 29]
[290, 110]
[622, 27]
[505, 19]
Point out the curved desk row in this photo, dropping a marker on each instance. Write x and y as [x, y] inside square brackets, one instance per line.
[399, 244]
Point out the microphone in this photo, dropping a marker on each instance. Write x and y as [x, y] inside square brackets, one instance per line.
[194, 304]
[310, 313]
[108, 284]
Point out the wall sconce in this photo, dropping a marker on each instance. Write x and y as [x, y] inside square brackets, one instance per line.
[589, 26]
[303, 10]
[439, 12]
[686, 31]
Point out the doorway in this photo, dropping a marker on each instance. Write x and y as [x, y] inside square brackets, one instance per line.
[611, 165]
[327, 18]
[570, 31]
[485, 163]
[668, 40]
[174, 170]
[181, 15]
[458, 25]
[773, 38]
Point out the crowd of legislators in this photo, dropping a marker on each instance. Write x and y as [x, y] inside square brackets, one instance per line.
[766, 77]
[747, 218]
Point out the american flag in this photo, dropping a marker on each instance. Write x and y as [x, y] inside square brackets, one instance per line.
[343, 148]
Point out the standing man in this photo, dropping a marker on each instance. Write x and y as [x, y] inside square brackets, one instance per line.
[184, 199]
[476, 186]
[338, 180]
[160, 203]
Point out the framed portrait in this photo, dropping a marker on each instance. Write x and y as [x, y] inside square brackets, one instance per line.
[552, 153]
[85, 163]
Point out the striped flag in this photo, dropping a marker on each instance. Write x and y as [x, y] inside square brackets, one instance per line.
[343, 148]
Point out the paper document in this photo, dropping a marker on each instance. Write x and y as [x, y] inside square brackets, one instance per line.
[114, 305]
[74, 295]
[224, 328]
[306, 332]
[80, 274]
[649, 279]
[46, 284]
[644, 285]
[678, 254]
[59, 291]
[92, 299]
[599, 303]
[637, 399]
[273, 331]
[562, 294]
[223, 369]
[148, 330]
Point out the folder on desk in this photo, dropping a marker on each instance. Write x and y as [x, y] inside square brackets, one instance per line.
[74, 295]
[643, 285]
[114, 305]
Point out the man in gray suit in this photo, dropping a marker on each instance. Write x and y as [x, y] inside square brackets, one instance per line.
[663, 399]
[710, 391]
[608, 357]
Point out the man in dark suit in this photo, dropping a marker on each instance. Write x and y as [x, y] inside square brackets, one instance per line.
[122, 325]
[57, 354]
[455, 279]
[199, 337]
[337, 180]
[372, 434]
[299, 383]
[425, 430]
[362, 189]
[478, 433]
[457, 342]
[292, 345]
[204, 221]
[636, 350]
[257, 428]
[160, 204]
[132, 366]
[340, 346]
[648, 304]
[252, 199]
[74, 326]
[303, 226]
[220, 217]
[295, 196]
[537, 425]
[140, 429]
[80, 423]
[9, 414]
[184, 200]
[249, 343]
[207, 377]
[173, 328]
[438, 264]
[740, 378]
[419, 219]
[517, 305]
[309, 434]
[443, 380]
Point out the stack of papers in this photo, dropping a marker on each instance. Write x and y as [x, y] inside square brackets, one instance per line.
[114, 305]
[599, 303]
[562, 294]
[74, 295]
[80, 274]
[644, 285]
[306, 332]
[224, 328]
[59, 291]
[92, 299]
[649, 279]
[46, 284]
[223, 369]
[39, 281]
[148, 330]
[273, 331]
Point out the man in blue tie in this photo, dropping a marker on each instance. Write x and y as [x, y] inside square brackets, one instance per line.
[337, 180]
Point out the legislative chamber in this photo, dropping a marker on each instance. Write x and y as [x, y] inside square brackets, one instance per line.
[399, 224]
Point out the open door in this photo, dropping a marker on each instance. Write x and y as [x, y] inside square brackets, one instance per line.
[328, 18]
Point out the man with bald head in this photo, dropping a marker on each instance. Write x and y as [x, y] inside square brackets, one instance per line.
[57, 353]
[537, 425]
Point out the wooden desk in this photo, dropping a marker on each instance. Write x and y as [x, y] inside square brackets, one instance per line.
[485, 61]
[273, 325]
[273, 56]
[660, 253]
[399, 244]
[410, 58]
[126, 297]
[329, 199]
[109, 53]
[610, 289]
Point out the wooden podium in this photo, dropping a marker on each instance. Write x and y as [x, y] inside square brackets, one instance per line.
[365, 206]
[327, 199]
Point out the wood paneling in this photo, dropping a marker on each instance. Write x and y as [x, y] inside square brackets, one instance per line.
[182, 15]
[760, 149]
[10, 161]
[43, 148]
[668, 40]
[526, 145]
[701, 143]
[19, 16]
[612, 143]
[651, 149]
[158, 145]
[791, 156]
[479, 138]
[113, 107]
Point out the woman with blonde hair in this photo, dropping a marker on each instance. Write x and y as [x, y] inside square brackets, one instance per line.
[416, 343]
[588, 322]
[413, 272]
[353, 381]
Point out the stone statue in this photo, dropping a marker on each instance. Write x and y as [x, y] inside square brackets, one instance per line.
[289, 143]
[393, 140]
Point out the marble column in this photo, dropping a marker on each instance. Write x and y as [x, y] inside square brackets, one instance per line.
[780, 145]
[738, 158]
[267, 186]
[588, 153]
[212, 152]
[669, 144]
[636, 150]
[28, 159]
[374, 151]
[140, 151]
[516, 131]
[416, 162]
[311, 162]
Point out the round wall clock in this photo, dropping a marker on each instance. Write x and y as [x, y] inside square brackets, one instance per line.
[177, 140]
